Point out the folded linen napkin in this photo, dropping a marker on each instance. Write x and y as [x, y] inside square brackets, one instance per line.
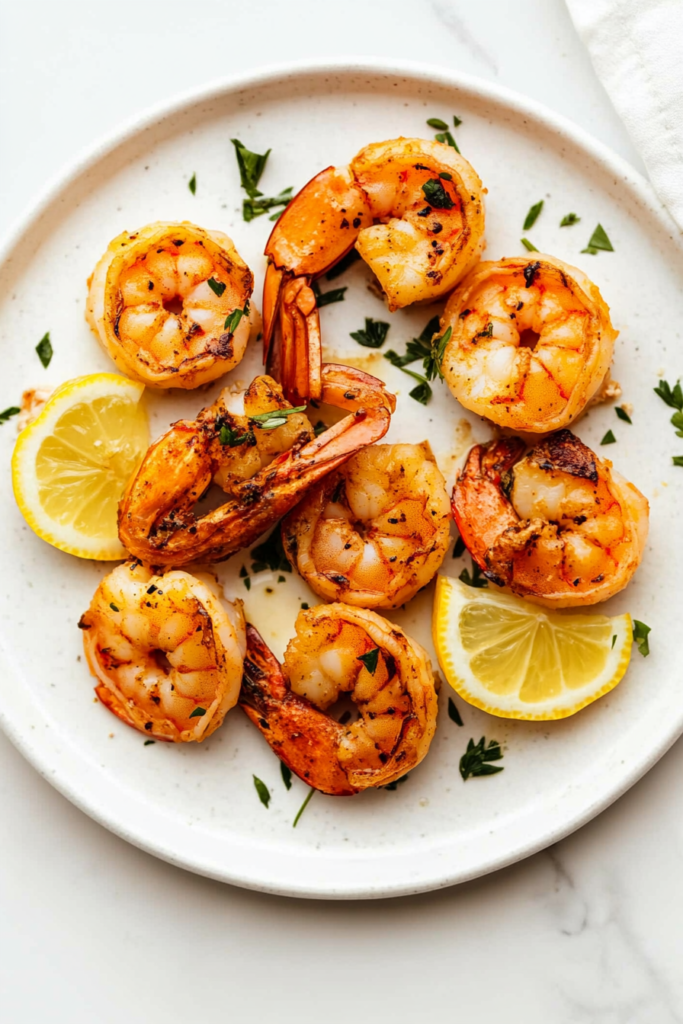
[636, 48]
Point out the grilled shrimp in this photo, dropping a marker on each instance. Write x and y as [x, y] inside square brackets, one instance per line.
[376, 531]
[531, 342]
[341, 650]
[166, 650]
[558, 525]
[414, 211]
[157, 523]
[160, 302]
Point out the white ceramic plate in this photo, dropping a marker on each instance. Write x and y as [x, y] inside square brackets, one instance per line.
[196, 805]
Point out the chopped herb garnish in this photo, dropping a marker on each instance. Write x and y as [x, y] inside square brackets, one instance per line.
[640, 637]
[396, 783]
[623, 415]
[113, 606]
[457, 121]
[274, 418]
[609, 438]
[599, 241]
[286, 774]
[243, 572]
[486, 333]
[251, 167]
[453, 712]
[528, 245]
[436, 195]
[677, 460]
[258, 205]
[345, 262]
[319, 428]
[232, 320]
[436, 122]
[262, 790]
[44, 350]
[459, 548]
[231, 438]
[445, 175]
[477, 579]
[475, 760]
[532, 215]
[148, 743]
[302, 808]
[614, 640]
[673, 396]
[247, 582]
[270, 554]
[198, 713]
[370, 659]
[281, 579]
[325, 298]
[677, 421]
[217, 287]
[448, 139]
[374, 335]
[422, 393]
[192, 184]
[431, 351]
[568, 220]
[12, 410]
[305, 606]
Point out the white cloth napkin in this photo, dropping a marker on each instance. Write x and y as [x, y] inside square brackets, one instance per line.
[637, 50]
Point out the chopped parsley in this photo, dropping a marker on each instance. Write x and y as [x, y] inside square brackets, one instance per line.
[262, 790]
[275, 417]
[217, 287]
[448, 139]
[286, 774]
[673, 396]
[568, 220]
[477, 579]
[258, 205]
[148, 743]
[11, 410]
[44, 350]
[453, 712]
[459, 548]
[640, 637]
[251, 166]
[486, 333]
[599, 241]
[529, 246]
[370, 659]
[475, 761]
[319, 428]
[192, 184]
[270, 554]
[113, 606]
[198, 713]
[231, 438]
[609, 438]
[532, 215]
[436, 195]
[431, 351]
[677, 460]
[302, 808]
[436, 122]
[305, 606]
[373, 335]
[623, 415]
[325, 298]
[614, 640]
[232, 319]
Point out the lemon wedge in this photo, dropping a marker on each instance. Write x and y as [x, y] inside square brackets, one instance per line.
[516, 660]
[71, 464]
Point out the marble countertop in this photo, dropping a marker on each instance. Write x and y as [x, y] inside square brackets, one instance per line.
[94, 930]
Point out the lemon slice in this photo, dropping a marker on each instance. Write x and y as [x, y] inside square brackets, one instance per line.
[72, 463]
[516, 660]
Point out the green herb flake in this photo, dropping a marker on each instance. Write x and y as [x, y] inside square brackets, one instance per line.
[113, 606]
[532, 215]
[623, 415]
[192, 184]
[529, 246]
[198, 713]
[609, 438]
[457, 121]
[453, 712]
[396, 783]
[475, 761]
[275, 418]
[243, 572]
[373, 335]
[436, 195]
[148, 743]
[477, 579]
[459, 548]
[447, 138]
[281, 579]
[640, 637]
[258, 205]
[286, 773]
[270, 554]
[247, 582]
[262, 790]
[44, 350]
[370, 660]
[436, 122]
[422, 393]
[305, 606]
[599, 241]
[677, 460]
[302, 808]
[319, 428]
[673, 396]
[614, 640]
[217, 287]
[12, 410]
[568, 220]
[325, 298]
[677, 422]
[251, 166]
[231, 438]
[232, 320]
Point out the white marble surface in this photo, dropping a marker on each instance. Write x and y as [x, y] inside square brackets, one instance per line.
[93, 930]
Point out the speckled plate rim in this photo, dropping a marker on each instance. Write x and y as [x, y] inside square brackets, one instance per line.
[403, 869]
